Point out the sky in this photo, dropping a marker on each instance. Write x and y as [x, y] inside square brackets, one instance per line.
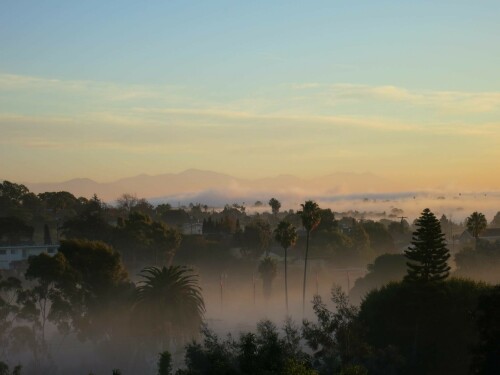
[405, 90]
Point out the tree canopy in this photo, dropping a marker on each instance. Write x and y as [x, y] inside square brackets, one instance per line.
[310, 215]
[275, 205]
[169, 304]
[475, 224]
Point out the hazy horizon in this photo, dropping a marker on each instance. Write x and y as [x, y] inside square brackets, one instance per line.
[341, 192]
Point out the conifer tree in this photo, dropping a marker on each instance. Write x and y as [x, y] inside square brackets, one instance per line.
[427, 254]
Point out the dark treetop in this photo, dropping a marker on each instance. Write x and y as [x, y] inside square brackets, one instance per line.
[427, 254]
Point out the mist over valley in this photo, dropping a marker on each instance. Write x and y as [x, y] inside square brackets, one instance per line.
[342, 192]
[249, 187]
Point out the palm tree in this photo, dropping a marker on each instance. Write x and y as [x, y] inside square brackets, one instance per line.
[169, 304]
[311, 218]
[286, 235]
[475, 224]
[268, 271]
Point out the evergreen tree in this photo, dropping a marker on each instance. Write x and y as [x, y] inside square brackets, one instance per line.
[427, 254]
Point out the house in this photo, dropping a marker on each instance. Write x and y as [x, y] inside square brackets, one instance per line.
[9, 254]
[489, 234]
[192, 228]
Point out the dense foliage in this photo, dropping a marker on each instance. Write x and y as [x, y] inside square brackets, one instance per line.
[432, 326]
[116, 285]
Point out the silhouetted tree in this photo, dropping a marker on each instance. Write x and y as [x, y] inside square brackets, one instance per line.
[328, 222]
[15, 231]
[275, 205]
[385, 268]
[9, 309]
[360, 243]
[336, 336]
[13, 192]
[127, 202]
[169, 304]
[311, 218]
[59, 201]
[482, 263]
[165, 363]
[475, 224]
[90, 223]
[255, 238]
[427, 254]
[286, 235]
[265, 352]
[162, 208]
[487, 358]
[4, 369]
[47, 239]
[143, 240]
[432, 327]
[495, 223]
[17, 201]
[381, 240]
[268, 272]
[77, 289]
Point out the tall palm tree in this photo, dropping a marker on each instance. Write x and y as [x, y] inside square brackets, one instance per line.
[311, 218]
[286, 235]
[169, 304]
[475, 224]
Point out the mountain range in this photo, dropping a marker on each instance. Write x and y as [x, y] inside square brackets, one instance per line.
[210, 187]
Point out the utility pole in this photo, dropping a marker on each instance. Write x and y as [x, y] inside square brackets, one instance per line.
[317, 283]
[402, 218]
[221, 291]
[348, 282]
[451, 236]
[253, 280]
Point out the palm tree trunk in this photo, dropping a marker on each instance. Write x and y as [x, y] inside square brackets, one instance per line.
[286, 285]
[305, 276]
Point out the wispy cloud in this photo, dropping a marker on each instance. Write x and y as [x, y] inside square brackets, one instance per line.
[104, 90]
[181, 99]
[153, 128]
[220, 116]
[449, 101]
[172, 128]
